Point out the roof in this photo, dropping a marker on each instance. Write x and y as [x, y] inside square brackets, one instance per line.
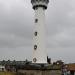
[71, 67]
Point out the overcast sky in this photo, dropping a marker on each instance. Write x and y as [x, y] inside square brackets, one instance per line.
[16, 30]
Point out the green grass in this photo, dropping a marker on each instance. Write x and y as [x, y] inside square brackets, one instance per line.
[7, 73]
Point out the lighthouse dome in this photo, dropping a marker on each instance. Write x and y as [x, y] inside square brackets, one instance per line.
[39, 3]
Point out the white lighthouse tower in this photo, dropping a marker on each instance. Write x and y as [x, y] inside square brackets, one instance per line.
[39, 51]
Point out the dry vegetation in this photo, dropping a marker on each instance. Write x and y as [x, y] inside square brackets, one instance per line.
[7, 73]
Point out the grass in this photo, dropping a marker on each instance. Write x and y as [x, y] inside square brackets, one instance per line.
[7, 73]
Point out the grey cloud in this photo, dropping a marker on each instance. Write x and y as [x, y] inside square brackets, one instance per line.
[13, 41]
[65, 38]
[15, 22]
[19, 53]
[60, 24]
[66, 54]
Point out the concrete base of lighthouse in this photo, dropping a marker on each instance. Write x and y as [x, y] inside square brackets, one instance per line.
[42, 72]
[39, 69]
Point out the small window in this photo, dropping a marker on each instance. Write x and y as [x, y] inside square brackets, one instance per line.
[35, 47]
[36, 20]
[34, 59]
[35, 33]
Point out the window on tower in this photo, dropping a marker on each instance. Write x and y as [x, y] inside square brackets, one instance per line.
[35, 47]
[36, 20]
[35, 33]
[34, 59]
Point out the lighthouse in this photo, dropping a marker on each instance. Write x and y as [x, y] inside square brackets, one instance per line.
[39, 48]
